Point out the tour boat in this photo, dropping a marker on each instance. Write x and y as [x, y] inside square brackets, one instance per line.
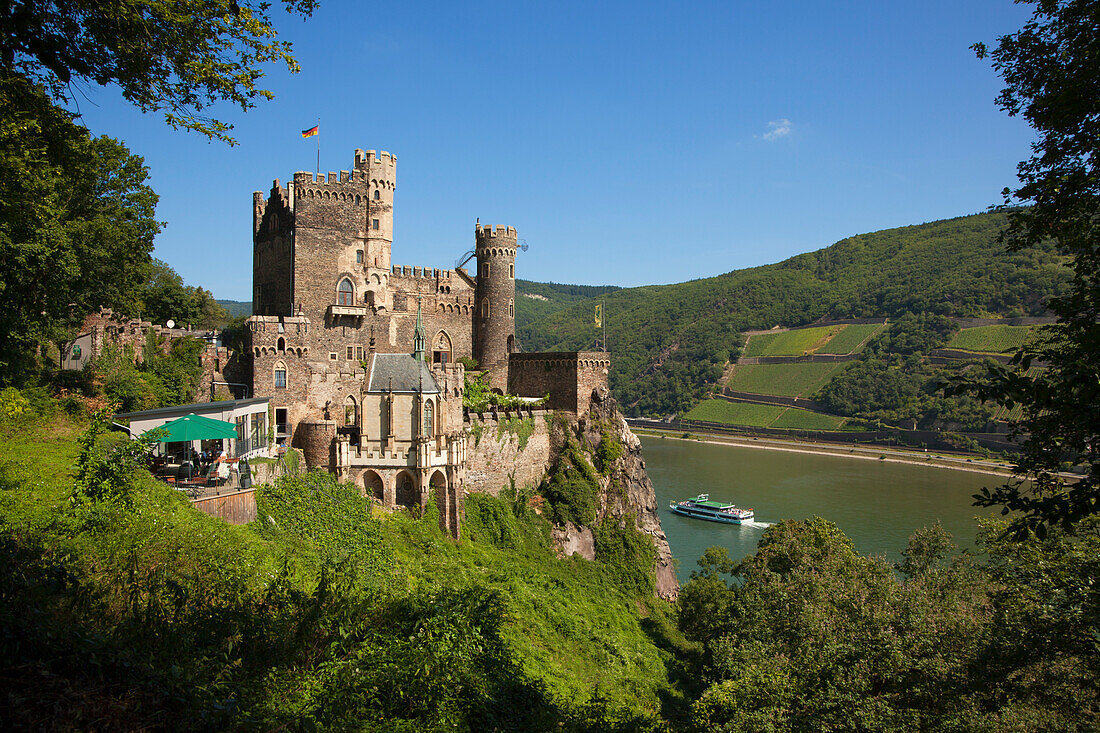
[701, 507]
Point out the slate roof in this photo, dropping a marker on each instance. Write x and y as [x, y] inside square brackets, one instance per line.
[402, 373]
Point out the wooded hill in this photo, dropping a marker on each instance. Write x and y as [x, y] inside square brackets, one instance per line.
[672, 342]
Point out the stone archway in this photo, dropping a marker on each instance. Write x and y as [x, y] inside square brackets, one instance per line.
[405, 491]
[444, 499]
[373, 486]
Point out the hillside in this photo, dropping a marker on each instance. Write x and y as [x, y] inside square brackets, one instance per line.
[535, 301]
[671, 342]
[237, 307]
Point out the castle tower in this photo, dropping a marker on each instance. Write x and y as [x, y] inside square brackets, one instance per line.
[380, 174]
[495, 310]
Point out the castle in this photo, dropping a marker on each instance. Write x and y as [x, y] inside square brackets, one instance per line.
[360, 357]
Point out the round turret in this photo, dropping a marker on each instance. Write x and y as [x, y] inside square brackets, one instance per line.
[495, 314]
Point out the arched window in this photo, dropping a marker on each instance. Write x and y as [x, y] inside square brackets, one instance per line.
[511, 271]
[280, 345]
[351, 414]
[484, 307]
[377, 194]
[346, 293]
[485, 267]
[429, 419]
[280, 375]
[511, 309]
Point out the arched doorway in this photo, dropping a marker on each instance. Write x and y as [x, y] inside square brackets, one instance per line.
[445, 501]
[405, 493]
[441, 348]
[372, 486]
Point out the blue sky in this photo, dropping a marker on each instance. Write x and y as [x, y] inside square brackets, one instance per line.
[628, 142]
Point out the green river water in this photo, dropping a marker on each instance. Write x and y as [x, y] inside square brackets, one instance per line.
[877, 504]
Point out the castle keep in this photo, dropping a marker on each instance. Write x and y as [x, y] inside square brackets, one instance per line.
[360, 356]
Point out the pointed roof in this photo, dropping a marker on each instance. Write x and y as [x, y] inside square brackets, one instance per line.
[418, 333]
[401, 374]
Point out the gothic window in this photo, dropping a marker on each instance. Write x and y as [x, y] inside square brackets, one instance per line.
[429, 419]
[484, 307]
[358, 256]
[377, 195]
[280, 345]
[280, 375]
[346, 293]
[350, 412]
[374, 225]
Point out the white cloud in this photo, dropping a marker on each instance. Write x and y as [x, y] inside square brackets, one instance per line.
[778, 128]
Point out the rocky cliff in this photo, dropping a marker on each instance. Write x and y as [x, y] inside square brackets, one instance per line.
[625, 492]
[583, 474]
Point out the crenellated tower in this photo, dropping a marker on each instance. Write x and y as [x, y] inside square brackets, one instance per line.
[495, 310]
[380, 173]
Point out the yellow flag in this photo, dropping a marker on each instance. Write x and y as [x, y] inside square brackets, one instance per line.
[599, 315]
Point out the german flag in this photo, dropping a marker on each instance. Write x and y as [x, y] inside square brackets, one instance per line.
[311, 131]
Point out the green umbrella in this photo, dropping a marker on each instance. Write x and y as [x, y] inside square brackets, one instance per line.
[195, 427]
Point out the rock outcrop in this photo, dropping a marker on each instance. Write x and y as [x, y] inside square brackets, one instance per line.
[626, 493]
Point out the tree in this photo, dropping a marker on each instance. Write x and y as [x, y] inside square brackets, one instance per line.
[164, 297]
[76, 222]
[1051, 69]
[177, 57]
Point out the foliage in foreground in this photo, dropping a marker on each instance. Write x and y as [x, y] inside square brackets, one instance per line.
[150, 614]
[177, 57]
[806, 634]
[1050, 67]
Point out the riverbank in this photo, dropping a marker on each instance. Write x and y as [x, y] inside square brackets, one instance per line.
[972, 464]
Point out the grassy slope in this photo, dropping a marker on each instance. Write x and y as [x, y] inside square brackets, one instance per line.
[735, 413]
[792, 343]
[670, 342]
[567, 626]
[762, 416]
[789, 380]
[991, 339]
[851, 339]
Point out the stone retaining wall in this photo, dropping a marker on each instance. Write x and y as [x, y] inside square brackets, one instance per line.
[494, 457]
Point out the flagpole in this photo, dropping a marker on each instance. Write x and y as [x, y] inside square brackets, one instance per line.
[318, 136]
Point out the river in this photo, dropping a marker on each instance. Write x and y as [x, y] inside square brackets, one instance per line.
[877, 504]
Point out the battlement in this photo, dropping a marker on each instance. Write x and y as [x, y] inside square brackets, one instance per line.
[579, 359]
[373, 159]
[421, 272]
[305, 178]
[497, 232]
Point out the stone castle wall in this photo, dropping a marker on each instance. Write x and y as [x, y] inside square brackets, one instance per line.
[568, 377]
[494, 457]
